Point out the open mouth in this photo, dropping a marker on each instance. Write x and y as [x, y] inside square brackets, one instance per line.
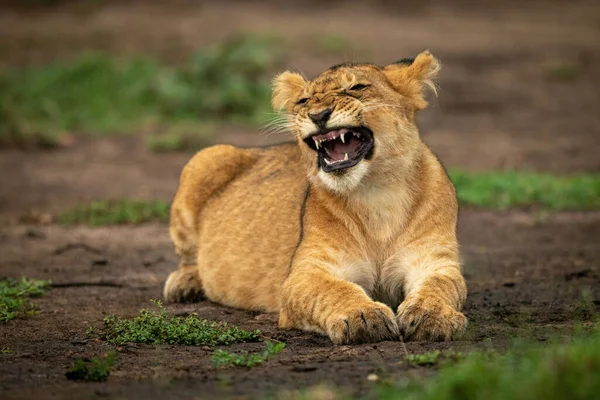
[341, 148]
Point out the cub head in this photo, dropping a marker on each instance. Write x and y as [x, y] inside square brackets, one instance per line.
[355, 123]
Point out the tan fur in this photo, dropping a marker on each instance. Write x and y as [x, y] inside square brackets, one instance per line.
[363, 254]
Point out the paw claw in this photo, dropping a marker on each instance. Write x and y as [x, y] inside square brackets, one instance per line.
[371, 323]
[429, 319]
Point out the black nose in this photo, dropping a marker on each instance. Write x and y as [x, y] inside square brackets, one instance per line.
[321, 117]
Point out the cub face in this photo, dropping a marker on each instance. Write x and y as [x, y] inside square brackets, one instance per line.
[355, 123]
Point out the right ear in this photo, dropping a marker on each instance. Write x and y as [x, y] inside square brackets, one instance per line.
[412, 76]
[286, 89]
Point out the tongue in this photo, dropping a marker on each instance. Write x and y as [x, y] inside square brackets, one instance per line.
[338, 150]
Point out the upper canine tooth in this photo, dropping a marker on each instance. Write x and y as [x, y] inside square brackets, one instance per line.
[342, 137]
[345, 156]
[316, 143]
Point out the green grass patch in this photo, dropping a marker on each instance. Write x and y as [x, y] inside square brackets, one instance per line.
[494, 190]
[228, 82]
[223, 358]
[158, 327]
[556, 371]
[99, 213]
[96, 369]
[15, 295]
[503, 190]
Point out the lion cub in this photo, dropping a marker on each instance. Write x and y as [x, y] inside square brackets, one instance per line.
[350, 231]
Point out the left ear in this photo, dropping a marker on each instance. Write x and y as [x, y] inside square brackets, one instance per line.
[412, 77]
[286, 89]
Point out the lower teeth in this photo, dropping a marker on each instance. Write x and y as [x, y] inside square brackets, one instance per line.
[336, 161]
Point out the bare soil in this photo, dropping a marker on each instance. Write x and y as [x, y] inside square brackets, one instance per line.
[526, 279]
[529, 275]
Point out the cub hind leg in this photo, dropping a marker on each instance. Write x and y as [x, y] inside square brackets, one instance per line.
[207, 172]
[183, 285]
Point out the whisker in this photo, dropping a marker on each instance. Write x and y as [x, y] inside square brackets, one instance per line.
[279, 124]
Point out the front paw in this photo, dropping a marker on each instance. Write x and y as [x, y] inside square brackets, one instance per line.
[367, 323]
[429, 319]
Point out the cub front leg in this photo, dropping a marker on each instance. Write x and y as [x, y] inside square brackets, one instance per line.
[435, 292]
[313, 299]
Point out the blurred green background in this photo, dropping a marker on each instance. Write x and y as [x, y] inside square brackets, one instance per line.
[518, 92]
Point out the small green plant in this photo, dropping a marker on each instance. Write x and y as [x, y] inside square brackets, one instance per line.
[6, 350]
[222, 358]
[96, 369]
[15, 295]
[564, 72]
[435, 357]
[502, 190]
[424, 359]
[100, 213]
[89, 331]
[585, 309]
[158, 327]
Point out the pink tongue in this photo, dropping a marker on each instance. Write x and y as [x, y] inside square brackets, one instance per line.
[338, 149]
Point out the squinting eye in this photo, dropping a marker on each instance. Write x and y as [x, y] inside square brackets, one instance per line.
[302, 101]
[359, 86]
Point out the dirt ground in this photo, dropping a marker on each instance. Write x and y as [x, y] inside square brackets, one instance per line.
[529, 275]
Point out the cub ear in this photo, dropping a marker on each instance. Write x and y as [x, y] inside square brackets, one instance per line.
[411, 77]
[286, 89]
